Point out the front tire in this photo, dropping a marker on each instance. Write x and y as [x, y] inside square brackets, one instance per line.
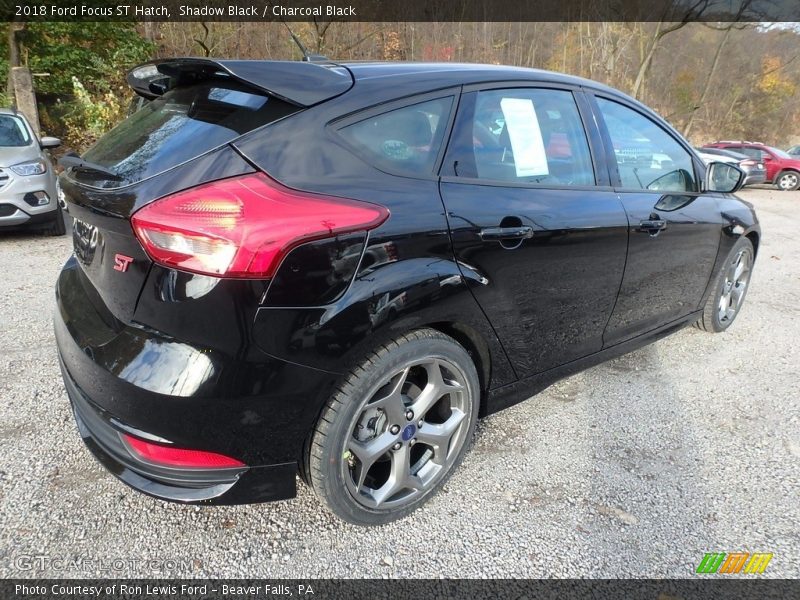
[788, 181]
[395, 429]
[725, 301]
[59, 225]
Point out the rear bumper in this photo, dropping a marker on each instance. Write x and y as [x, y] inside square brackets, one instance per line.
[110, 370]
[101, 434]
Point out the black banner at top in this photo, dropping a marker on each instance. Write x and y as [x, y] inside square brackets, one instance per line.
[403, 10]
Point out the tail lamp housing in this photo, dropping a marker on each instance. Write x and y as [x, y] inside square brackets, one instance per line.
[244, 226]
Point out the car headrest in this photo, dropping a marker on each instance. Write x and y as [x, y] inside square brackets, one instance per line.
[411, 127]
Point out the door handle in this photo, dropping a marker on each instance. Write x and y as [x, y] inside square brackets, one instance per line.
[653, 226]
[499, 234]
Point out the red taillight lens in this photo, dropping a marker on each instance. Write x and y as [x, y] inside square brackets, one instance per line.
[179, 457]
[747, 163]
[244, 226]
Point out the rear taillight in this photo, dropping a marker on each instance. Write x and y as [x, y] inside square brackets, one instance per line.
[167, 456]
[244, 226]
[747, 163]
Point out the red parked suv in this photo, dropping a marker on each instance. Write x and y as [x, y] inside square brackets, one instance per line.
[783, 169]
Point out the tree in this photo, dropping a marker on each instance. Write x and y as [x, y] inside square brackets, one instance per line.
[97, 53]
[693, 11]
[687, 129]
[81, 90]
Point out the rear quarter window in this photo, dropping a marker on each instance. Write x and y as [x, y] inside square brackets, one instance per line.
[405, 140]
[181, 125]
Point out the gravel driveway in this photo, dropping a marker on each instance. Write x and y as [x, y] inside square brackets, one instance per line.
[634, 468]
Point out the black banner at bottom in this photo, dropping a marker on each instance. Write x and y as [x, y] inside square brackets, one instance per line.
[704, 588]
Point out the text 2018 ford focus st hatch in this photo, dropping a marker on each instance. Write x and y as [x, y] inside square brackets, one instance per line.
[336, 268]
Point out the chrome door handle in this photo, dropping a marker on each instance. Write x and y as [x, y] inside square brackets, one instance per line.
[498, 234]
[653, 226]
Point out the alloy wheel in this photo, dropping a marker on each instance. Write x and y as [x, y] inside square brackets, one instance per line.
[788, 181]
[407, 435]
[734, 285]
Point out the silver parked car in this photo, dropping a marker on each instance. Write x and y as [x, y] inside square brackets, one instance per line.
[28, 187]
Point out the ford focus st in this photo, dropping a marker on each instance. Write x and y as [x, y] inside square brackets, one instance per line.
[335, 269]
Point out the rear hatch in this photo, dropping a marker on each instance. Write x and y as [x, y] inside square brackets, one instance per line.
[177, 140]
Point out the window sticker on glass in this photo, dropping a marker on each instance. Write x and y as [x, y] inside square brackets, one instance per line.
[525, 135]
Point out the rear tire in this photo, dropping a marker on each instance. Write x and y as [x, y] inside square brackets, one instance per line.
[395, 429]
[59, 225]
[788, 181]
[730, 288]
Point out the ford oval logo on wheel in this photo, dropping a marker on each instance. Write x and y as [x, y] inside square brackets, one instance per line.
[409, 432]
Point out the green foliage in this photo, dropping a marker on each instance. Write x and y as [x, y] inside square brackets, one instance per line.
[87, 117]
[97, 53]
[79, 73]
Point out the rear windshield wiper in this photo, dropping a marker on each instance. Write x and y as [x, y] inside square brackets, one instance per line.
[76, 162]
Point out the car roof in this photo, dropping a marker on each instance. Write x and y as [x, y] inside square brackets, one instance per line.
[722, 152]
[465, 73]
[739, 143]
[308, 83]
[415, 77]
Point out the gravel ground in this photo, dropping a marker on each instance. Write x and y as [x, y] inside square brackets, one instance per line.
[634, 468]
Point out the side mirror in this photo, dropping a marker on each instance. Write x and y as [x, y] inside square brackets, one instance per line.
[49, 142]
[723, 177]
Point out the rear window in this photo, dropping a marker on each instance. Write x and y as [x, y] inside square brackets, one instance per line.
[178, 126]
[407, 139]
[13, 132]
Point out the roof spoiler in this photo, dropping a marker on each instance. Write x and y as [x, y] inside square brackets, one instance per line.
[300, 83]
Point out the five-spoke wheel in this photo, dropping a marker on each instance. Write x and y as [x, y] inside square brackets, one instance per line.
[399, 425]
[406, 434]
[734, 285]
[725, 302]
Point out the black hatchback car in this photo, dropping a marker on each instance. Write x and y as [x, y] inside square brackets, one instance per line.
[335, 269]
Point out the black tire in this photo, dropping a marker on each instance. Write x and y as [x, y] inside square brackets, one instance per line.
[717, 319]
[59, 225]
[787, 181]
[330, 466]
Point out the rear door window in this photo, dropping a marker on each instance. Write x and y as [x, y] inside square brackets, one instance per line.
[524, 135]
[178, 126]
[406, 139]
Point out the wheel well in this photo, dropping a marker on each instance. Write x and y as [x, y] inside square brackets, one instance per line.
[474, 344]
[753, 237]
